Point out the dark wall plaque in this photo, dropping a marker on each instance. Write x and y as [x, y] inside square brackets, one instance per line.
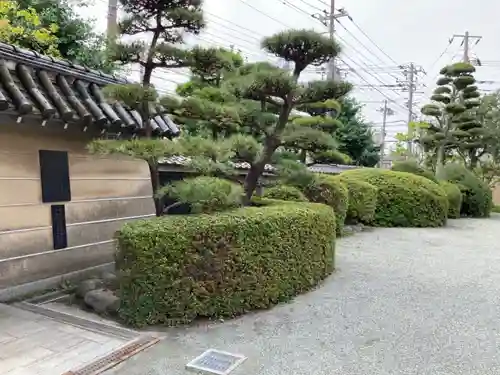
[59, 233]
[54, 175]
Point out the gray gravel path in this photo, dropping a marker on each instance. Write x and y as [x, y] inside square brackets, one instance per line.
[403, 301]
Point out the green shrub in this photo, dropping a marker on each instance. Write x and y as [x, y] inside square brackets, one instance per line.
[454, 198]
[362, 201]
[404, 199]
[477, 199]
[177, 268]
[330, 190]
[496, 208]
[412, 166]
[205, 194]
[285, 193]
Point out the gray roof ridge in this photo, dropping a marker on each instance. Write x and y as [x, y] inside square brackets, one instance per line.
[34, 59]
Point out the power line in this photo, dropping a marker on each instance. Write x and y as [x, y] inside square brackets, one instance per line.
[364, 46]
[373, 42]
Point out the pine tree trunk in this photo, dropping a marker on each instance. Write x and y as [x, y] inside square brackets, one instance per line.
[440, 163]
[303, 156]
[155, 183]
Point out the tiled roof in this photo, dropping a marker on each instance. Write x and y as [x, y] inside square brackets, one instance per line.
[54, 89]
[183, 160]
[331, 168]
[317, 168]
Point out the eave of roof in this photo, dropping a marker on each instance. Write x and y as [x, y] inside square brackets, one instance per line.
[74, 96]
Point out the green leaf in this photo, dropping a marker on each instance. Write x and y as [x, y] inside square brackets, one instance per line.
[303, 47]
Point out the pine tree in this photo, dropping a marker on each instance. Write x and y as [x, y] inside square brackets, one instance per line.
[163, 22]
[455, 124]
[266, 95]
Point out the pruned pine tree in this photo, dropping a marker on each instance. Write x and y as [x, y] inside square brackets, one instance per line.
[207, 109]
[157, 28]
[278, 92]
[313, 135]
[250, 107]
[453, 110]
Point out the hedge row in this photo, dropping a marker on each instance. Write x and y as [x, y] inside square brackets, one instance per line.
[404, 199]
[473, 196]
[477, 200]
[330, 190]
[454, 196]
[362, 201]
[177, 268]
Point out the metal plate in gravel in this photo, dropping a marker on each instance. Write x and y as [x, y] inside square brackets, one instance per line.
[216, 362]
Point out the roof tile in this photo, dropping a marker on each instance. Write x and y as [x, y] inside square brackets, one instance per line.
[61, 90]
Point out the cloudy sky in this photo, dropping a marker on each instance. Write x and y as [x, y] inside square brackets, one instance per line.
[398, 34]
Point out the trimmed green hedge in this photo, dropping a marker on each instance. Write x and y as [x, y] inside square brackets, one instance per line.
[362, 201]
[285, 193]
[454, 198]
[404, 199]
[477, 199]
[412, 166]
[330, 190]
[177, 268]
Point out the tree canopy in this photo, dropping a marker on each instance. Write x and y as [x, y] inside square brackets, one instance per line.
[454, 125]
[24, 28]
[74, 37]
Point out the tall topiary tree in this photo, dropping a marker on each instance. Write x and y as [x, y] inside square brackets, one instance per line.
[455, 124]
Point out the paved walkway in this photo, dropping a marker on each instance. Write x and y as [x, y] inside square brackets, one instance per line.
[31, 344]
[403, 302]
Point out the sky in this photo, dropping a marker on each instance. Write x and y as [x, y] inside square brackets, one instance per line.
[398, 34]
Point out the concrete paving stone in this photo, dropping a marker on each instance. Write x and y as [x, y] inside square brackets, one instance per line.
[22, 359]
[72, 359]
[87, 335]
[403, 301]
[32, 344]
[58, 340]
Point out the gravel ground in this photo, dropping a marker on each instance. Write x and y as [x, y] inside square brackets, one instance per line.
[403, 301]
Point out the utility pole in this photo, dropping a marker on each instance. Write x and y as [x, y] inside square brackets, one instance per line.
[466, 40]
[112, 28]
[411, 73]
[386, 111]
[328, 19]
[331, 32]
[411, 83]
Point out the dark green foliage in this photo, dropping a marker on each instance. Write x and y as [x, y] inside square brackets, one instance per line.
[454, 117]
[76, 39]
[330, 190]
[205, 194]
[362, 201]
[412, 166]
[404, 199]
[331, 157]
[454, 198]
[477, 198]
[178, 268]
[285, 193]
[355, 135]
